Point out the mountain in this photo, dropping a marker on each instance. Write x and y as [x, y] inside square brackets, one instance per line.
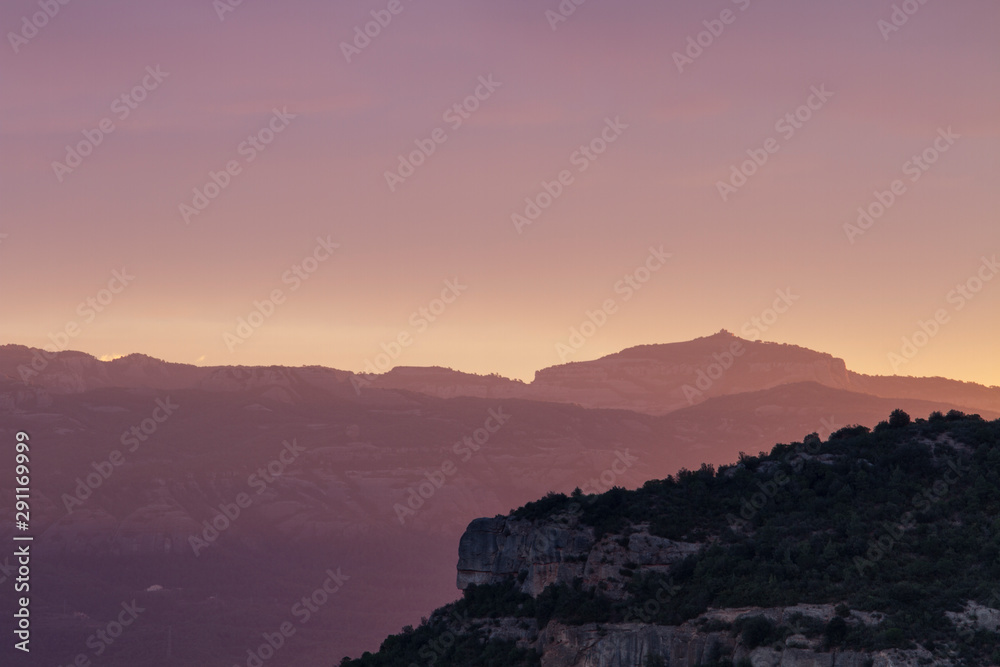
[871, 548]
[660, 379]
[134, 460]
[969, 394]
[758, 419]
[652, 379]
[447, 383]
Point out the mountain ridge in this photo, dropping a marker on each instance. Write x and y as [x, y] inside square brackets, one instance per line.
[654, 379]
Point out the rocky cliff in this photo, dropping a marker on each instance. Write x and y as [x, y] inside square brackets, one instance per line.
[560, 550]
[557, 552]
[706, 640]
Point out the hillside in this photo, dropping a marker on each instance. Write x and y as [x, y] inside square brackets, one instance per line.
[871, 548]
[351, 496]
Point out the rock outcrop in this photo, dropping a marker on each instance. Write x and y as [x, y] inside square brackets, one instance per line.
[611, 645]
[705, 640]
[561, 550]
[501, 549]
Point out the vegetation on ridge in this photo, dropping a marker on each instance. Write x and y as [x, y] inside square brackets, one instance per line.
[903, 520]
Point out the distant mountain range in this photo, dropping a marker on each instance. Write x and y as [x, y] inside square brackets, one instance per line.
[653, 379]
[379, 476]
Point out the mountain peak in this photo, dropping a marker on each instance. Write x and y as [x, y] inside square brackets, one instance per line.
[138, 359]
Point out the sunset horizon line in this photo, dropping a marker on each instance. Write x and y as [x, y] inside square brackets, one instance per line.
[50, 354]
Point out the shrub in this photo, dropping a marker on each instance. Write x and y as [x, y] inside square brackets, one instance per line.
[836, 631]
[756, 631]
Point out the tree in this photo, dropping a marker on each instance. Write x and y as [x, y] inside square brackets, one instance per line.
[898, 419]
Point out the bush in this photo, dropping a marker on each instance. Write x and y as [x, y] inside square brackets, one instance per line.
[756, 631]
[836, 631]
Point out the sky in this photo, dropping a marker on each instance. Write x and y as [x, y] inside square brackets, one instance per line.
[501, 186]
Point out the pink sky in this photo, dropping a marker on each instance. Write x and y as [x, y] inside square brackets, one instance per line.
[655, 185]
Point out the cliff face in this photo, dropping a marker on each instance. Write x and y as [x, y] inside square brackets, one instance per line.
[561, 549]
[630, 644]
[690, 644]
[495, 550]
[633, 644]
